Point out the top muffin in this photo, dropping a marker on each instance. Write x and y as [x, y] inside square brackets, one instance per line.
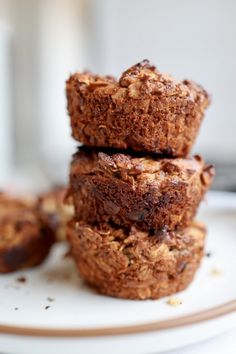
[144, 110]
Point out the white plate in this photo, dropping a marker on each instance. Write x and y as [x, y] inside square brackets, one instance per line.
[79, 320]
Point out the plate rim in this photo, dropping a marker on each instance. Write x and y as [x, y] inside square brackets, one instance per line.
[194, 318]
[191, 319]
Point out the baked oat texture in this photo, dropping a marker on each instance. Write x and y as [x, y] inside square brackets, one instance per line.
[144, 110]
[57, 210]
[136, 264]
[146, 192]
[25, 236]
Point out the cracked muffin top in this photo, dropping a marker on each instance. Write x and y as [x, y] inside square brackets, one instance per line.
[149, 168]
[145, 110]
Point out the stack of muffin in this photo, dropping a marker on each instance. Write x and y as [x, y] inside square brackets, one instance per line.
[134, 188]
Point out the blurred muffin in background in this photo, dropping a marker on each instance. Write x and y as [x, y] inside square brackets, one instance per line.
[57, 209]
[26, 236]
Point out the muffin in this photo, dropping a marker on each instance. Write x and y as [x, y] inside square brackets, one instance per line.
[25, 235]
[57, 210]
[134, 264]
[144, 110]
[141, 191]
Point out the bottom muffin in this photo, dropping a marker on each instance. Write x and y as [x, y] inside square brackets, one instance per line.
[25, 235]
[134, 264]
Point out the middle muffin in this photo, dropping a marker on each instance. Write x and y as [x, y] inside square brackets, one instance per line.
[135, 190]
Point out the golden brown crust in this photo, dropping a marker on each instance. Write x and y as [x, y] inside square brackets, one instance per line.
[25, 236]
[146, 192]
[134, 264]
[58, 212]
[144, 111]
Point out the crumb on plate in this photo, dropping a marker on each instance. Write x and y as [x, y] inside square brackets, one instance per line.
[208, 254]
[50, 299]
[21, 279]
[174, 301]
[216, 272]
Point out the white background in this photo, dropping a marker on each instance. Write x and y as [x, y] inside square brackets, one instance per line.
[53, 38]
